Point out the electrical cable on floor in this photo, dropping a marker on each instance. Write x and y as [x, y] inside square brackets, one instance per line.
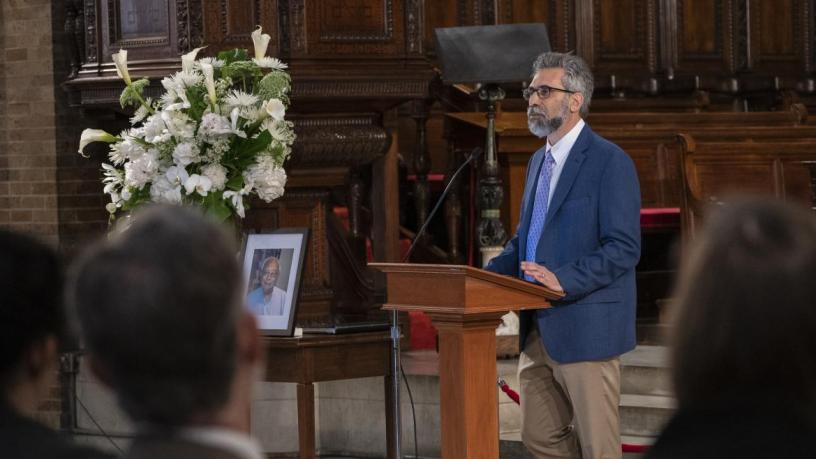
[413, 412]
[105, 434]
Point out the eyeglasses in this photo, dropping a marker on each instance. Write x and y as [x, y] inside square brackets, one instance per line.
[543, 91]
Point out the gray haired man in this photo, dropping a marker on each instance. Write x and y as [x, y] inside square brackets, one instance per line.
[162, 312]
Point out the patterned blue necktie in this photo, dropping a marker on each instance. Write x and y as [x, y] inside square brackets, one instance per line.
[540, 205]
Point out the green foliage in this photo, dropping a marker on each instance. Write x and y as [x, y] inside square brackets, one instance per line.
[244, 151]
[236, 182]
[138, 197]
[275, 85]
[197, 95]
[245, 72]
[233, 55]
[132, 95]
[215, 205]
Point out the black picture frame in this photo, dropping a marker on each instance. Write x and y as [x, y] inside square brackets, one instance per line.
[275, 303]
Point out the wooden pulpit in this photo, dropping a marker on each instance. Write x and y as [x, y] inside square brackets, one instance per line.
[466, 305]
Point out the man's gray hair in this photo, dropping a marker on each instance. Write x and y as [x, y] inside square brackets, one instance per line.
[577, 75]
[158, 304]
[266, 261]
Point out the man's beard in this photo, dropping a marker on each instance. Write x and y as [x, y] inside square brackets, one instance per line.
[541, 125]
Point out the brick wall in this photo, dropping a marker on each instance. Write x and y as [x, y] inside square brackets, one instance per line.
[28, 167]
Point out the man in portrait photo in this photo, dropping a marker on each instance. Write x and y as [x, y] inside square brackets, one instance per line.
[268, 299]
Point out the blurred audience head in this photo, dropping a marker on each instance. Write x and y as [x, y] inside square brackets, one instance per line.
[160, 309]
[31, 319]
[745, 321]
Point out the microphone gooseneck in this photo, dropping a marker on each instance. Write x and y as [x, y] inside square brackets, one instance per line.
[475, 153]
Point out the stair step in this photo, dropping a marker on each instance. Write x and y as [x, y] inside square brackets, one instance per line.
[644, 371]
[647, 356]
[645, 415]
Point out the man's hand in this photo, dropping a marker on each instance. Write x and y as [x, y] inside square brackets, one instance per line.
[542, 275]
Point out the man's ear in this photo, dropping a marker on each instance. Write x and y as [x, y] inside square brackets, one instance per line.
[42, 356]
[576, 102]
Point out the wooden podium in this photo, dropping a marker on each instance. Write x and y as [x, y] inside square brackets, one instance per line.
[466, 305]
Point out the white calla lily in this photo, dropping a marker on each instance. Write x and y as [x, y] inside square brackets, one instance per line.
[275, 109]
[120, 61]
[209, 82]
[261, 42]
[188, 60]
[94, 135]
[235, 116]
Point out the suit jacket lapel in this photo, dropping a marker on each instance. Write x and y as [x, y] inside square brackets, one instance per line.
[570, 172]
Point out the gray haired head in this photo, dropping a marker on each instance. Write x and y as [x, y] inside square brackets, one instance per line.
[159, 304]
[577, 75]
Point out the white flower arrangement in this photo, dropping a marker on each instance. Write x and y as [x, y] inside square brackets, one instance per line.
[216, 135]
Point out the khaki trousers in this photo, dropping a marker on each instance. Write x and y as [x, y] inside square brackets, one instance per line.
[568, 410]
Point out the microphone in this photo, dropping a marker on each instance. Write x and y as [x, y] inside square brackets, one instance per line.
[475, 153]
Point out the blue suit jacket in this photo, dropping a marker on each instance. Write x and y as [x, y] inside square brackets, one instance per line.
[591, 241]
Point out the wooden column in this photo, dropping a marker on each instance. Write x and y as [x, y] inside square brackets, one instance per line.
[467, 385]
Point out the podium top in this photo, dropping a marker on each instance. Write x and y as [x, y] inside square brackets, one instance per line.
[459, 289]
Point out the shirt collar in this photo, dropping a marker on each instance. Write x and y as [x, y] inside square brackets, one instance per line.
[240, 444]
[562, 148]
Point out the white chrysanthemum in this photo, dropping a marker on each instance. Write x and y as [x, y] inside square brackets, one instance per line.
[125, 150]
[113, 178]
[238, 98]
[115, 154]
[186, 153]
[142, 170]
[155, 130]
[168, 98]
[217, 175]
[216, 63]
[267, 178]
[179, 125]
[187, 79]
[270, 63]
[213, 125]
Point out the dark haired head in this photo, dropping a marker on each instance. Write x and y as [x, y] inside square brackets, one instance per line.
[745, 325]
[31, 307]
[158, 305]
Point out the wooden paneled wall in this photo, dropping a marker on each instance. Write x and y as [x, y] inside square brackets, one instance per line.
[661, 46]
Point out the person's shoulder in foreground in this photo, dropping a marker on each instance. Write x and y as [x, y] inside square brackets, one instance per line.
[31, 327]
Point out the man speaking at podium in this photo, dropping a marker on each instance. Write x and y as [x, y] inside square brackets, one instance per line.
[579, 232]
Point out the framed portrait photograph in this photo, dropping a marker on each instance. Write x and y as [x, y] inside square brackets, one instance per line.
[273, 264]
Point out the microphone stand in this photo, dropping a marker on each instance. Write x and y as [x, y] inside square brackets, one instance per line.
[395, 332]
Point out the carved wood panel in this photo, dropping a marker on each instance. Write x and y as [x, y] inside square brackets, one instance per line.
[779, 33]
[442, 14]
[624, 35]
[332, 28]
[229, 23]
[557, 14]
[706, 42]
